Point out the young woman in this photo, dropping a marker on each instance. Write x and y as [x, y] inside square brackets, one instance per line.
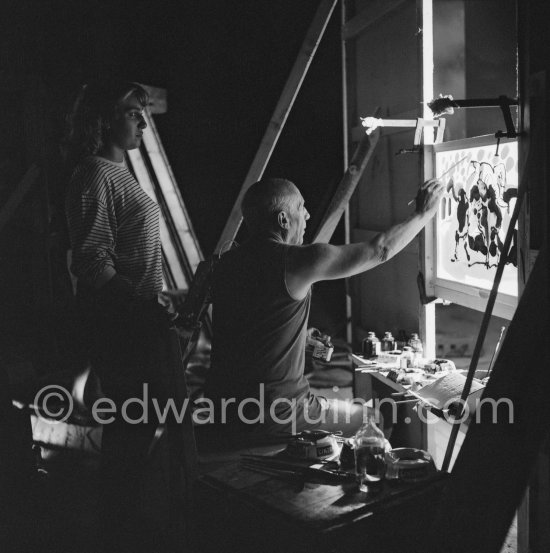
[116, 258]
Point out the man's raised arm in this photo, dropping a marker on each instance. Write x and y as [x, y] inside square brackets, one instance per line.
[309, 264]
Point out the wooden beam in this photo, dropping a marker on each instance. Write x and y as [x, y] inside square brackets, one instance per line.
[180, 220]
[345, 143]
[170, 251]
[10, 207]
[279, 117]
[346, 187]
[370, 15]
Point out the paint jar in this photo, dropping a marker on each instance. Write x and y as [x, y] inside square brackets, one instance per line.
[406, 359]
[416, 344]
[370, 346]
[388, 342]
[401, 340]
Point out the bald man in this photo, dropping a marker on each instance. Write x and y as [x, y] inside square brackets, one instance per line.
[261, 300]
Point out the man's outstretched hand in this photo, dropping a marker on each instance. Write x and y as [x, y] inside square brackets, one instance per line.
[428, 197]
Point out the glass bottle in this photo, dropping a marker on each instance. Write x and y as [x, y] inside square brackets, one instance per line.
[416, 344]
[388, 342]
[369, 452]
[406, 359]
[401, 340]
[371, 345]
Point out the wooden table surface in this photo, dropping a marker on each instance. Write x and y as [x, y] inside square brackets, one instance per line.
[284, 514]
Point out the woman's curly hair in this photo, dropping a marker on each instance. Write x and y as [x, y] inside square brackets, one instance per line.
[88, 122]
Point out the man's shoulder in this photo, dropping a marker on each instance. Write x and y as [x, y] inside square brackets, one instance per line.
[254, 261]
[308, 253]
[268, 251]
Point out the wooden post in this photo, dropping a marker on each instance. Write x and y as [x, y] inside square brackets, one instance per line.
[176, 277]
[179, 221]
[345, 132]
[426, 313]
[279, 117]
[346, 187]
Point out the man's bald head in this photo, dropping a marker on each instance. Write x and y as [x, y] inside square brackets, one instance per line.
[264, 200]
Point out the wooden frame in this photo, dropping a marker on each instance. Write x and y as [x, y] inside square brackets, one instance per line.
[426, 313]
[155, 175]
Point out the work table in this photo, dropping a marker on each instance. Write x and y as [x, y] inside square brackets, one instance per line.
[415, 426]
[258, 512]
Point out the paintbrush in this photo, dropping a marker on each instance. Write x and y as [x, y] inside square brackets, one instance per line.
[491, 363]
[271, 471]
[445, 173]
[315, 471]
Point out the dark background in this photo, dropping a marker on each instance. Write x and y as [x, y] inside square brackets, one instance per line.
[223, 63]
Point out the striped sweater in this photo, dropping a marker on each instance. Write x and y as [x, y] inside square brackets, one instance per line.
[113, 227]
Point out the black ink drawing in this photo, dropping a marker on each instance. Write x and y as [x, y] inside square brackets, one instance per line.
[481, 193]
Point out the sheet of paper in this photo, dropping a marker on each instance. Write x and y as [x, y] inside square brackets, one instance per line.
[448, 389]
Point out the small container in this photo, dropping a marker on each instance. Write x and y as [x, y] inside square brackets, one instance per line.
[416, 344]
[406, 359]
[408, 464]
[323, 349]
[347, 454]
[388, 342]
[320, 345]
[371, 346]
[401, 340]
[370, 466]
